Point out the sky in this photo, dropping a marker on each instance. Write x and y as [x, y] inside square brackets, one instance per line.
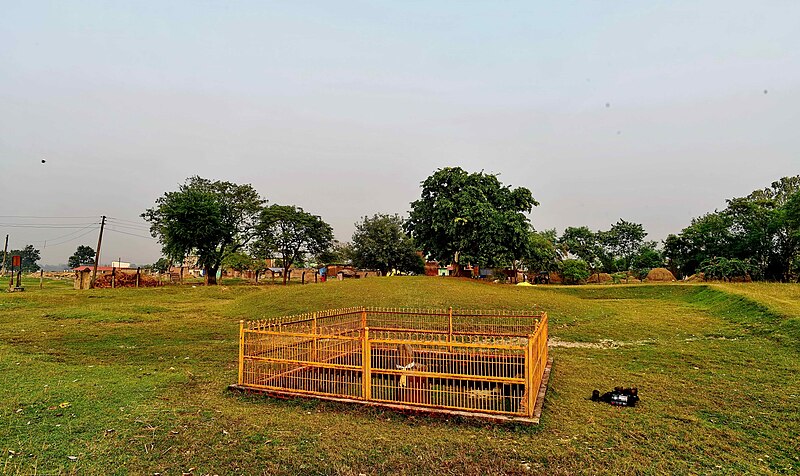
[653, 112]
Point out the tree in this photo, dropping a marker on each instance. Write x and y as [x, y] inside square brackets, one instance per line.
[239, 261]
[574, 271]
[83, 255]
[582, 243]
[791, 212]
[380, 243]
[28, 258]
[707, 236]
[473, 218]
[623, 242]
[647, 259]
[161, 266]
[209, 219]
[291, 234]
[341, 253]
[756, 229]
[541, 254]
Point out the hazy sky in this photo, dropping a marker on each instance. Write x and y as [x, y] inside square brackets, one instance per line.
[654, 112]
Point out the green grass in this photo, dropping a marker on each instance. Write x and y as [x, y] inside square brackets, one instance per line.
[145, 371]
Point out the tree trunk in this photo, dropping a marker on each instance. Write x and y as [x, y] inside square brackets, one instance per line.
[285, 275]
[211, 275]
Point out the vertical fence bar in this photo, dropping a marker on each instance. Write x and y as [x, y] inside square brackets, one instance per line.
[366, 357]
[241, 352]
[450, 329]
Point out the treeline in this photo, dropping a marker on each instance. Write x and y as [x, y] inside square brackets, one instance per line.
[757, 235]
[223, 224]
[463, 219]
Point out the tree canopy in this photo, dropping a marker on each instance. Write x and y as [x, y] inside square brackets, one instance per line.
[83, 255]
[289, 233]
[621, 244]
[757, 231]
[542, 254]
[380, 243]
[28, 258]
[209, 219]
[582, 243]
[464, 217]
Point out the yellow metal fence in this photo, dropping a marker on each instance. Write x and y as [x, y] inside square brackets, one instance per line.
[487, 362]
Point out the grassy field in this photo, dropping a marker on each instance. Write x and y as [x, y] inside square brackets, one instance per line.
[133, 381]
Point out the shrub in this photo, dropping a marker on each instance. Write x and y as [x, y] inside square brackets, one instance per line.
[574, 271]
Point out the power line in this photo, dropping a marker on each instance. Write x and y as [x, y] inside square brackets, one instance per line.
[132, 227]
[64, 236]
[131, 234]
[124, 220]
[48, 225]
[33, 216]
[74, 237]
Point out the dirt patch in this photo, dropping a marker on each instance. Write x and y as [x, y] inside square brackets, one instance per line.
[602, 344]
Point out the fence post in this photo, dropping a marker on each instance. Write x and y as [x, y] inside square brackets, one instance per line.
[363, 317]
[138, 273]
[366, 356]
[314, 342]
[241, 352]
[532, 391]
[450, 329]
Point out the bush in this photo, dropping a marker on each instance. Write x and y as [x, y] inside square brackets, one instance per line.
[725, 268]
[574, 271]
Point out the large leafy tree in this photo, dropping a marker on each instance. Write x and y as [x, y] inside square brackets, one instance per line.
[83, 255]
[582, 243]
[465, 217]
[707, 236]
[646, 259]
[756, 229]
[28, 258]
[542, 254]
[289, 233]
[209, 219]
[380, 243]
[622, 242]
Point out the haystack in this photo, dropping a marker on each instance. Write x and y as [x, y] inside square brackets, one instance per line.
[599, 278]
[660, 275]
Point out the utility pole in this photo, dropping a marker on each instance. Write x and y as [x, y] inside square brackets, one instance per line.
[97, 254]
[5, 252]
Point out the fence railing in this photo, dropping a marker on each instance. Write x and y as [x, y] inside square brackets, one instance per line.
[480, 362]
